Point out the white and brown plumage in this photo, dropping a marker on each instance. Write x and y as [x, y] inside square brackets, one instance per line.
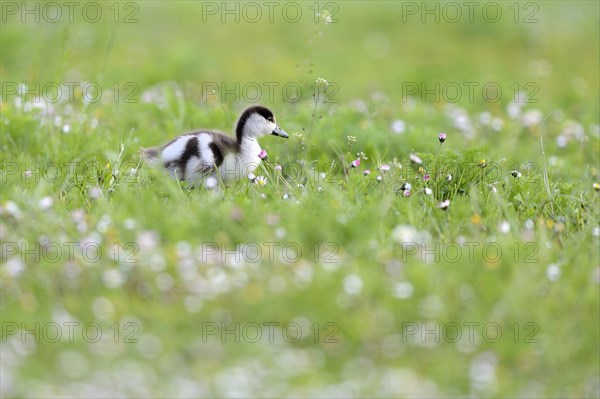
[197, 155]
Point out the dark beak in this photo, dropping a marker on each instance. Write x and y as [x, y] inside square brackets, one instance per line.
[279, 132]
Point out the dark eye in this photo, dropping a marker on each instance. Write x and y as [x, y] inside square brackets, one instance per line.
[271, 119]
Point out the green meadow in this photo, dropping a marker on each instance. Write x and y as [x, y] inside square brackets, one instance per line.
[373, 258]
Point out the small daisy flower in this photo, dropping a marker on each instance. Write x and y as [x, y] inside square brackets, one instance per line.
[398, 126]
[449, 177]
[553, 272]
[286, 197]
[12, 209]
[272, 219]
[426, 177]
[428, 191]
[596, 186]
[442, 137]
[260, 181]
[504, 227]
[95, 192]
[319, 189]
[278, 167]
[262, 154]
[355, 163]
[415, 159]
[444, 204]
[482, 163]
[237, 214]
[366, 172]
[516, 174]
[379, 178]
[406, 193]
[251, 177]
[211, 182]
[46, 203]
[384, 168]
[406, 186]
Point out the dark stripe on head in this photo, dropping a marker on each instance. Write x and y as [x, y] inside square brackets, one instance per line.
[191, 150]
[217, 153]
[262, 111]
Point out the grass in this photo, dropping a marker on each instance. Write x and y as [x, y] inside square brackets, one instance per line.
[362, 269]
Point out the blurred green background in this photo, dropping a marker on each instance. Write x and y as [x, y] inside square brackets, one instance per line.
[155, 64]
[367, 48]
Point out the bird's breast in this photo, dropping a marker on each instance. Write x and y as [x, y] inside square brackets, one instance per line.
[237, 165]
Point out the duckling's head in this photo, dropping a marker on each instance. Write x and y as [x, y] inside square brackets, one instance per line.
[257, 122]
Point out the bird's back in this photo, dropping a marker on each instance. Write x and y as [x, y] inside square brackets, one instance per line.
[193, 155]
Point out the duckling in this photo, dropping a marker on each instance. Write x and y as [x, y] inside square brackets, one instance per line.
[197, 155]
